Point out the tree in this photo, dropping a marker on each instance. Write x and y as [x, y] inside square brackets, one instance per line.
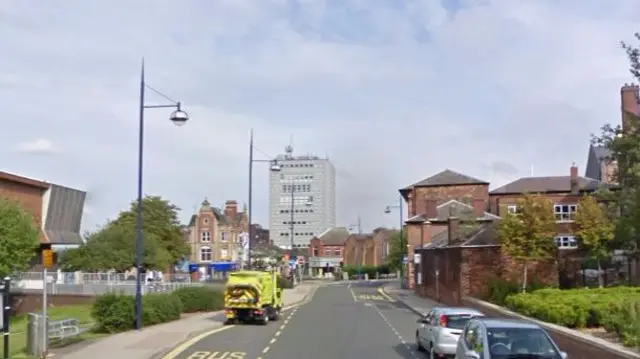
[595, 230]
[528, 235]
[113, 247]
[19, 238]
[624, 150]
[397, 249]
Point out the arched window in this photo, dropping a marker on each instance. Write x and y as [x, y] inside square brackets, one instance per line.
[206, 254]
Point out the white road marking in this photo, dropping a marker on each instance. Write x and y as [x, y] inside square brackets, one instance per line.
[395, 331]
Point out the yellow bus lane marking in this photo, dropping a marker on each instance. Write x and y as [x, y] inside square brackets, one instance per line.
[384, 294]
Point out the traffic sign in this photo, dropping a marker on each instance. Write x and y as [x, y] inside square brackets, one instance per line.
[404, 260]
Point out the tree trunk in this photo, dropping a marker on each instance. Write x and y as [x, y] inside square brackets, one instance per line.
[600, 276]
[524, 276]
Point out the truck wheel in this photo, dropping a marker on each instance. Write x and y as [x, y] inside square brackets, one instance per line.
[276, 314]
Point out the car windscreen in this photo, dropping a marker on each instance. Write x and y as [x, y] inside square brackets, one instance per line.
[520, 342]
[457, 321]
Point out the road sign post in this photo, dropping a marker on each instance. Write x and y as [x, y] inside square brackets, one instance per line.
[47, 262]
[5, 313]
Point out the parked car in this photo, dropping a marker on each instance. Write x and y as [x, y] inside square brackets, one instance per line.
[439, 330]
[495, 338]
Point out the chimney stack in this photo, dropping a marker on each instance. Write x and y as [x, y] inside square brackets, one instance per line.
[454, 230]
[478, 207]
[575, 189]
[431, 210]
[231, 209]
[630, 103]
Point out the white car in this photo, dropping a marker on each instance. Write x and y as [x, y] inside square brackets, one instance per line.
[438, 332]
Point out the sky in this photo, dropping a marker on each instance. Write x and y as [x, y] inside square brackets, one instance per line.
[393, 91]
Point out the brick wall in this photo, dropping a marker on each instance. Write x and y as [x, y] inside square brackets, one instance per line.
[443, 194]
[22, 303]
[575, 348]
[28, 197]
[466, 271]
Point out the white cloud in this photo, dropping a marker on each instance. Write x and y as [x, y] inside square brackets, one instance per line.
[38, 146]
[392, 91]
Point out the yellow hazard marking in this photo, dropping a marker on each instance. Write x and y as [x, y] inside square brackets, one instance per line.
[217, 355]
[374, 297]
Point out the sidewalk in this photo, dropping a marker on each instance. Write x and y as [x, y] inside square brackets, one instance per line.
[417, 304]
[156, 339]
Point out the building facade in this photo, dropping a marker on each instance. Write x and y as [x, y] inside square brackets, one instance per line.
[216, 235]
[326, 250]
[599, 165]
[55, 210]
[302, 197]
[260, 236]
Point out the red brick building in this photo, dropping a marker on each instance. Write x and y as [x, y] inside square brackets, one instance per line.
[368, 249]
[55, 210]
[459, 257]
[430, 202]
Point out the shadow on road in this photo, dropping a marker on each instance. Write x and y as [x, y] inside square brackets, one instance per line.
[404, 352]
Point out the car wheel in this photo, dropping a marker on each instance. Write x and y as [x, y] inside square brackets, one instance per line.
[420, 348]
[265, 321]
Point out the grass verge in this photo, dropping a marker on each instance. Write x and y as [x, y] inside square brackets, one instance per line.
[18, 326]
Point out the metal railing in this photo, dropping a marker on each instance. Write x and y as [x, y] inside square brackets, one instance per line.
[97, 283]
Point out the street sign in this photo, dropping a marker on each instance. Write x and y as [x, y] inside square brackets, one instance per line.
[404, 260]
[47, 257]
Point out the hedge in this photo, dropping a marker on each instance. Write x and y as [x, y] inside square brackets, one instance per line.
[116, 313]
[616, 309]
[369, 270]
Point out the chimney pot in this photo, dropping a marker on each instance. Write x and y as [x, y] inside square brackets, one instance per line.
[453, 228]
[574, 179]
[479, 207]
[431, 209]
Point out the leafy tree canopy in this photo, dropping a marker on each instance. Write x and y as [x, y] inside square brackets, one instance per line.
[624, 149]
[528, 235]
[397, 249]
[19, 238]
[113, 246]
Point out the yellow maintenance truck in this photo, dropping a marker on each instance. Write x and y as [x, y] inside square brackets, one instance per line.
[252, 296]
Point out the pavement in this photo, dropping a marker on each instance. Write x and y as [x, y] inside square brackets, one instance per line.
[351, 320]
[162, 340]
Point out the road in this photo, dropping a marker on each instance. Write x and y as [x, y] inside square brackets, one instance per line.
[339, 321]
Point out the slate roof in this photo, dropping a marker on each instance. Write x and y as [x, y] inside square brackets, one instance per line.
[218, 213]
[549, 184]
[334, 236]
[472, 235]
[601, 152]
[461, 210]
[446, 178]
[453, 208]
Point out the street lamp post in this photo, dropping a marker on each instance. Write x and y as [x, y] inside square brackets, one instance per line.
[275, 167]
[179, 118]
[401, 210]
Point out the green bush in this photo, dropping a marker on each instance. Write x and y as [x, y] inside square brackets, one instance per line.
[160, 308]
[497, 290]
[371, 271]
[116, 313]
[617, 309]
[200, 299]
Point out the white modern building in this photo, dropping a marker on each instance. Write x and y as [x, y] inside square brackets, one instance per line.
[303, 190]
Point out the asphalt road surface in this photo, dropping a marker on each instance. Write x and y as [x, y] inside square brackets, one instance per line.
[341, 321]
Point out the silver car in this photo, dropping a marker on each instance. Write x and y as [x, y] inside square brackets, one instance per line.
[439, 330]
[491, 338]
